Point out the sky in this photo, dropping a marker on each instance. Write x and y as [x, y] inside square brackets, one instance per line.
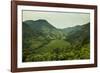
[58, 19]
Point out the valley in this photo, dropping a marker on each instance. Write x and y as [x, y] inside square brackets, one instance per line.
[44, 42]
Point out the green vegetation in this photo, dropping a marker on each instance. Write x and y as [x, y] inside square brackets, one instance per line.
[43, 42]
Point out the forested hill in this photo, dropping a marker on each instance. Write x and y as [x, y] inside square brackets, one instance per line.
[78, 33]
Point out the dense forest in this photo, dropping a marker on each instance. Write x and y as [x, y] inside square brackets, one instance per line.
[41, 41]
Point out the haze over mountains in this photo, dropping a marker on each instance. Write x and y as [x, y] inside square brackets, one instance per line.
[44, 42]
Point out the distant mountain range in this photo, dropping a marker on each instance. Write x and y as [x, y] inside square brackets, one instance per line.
[40, 35]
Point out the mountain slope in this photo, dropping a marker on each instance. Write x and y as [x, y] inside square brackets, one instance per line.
[44, 28]
[79, 33]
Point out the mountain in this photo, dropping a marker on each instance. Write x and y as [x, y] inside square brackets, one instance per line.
[37, 33]
[44, 42]
[44, 28]
[71, 29]
[78, 33]
[39, 23]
